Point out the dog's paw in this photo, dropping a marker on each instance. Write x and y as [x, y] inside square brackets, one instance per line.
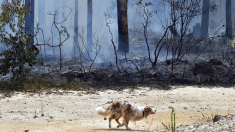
[120, 125]
[128, 128]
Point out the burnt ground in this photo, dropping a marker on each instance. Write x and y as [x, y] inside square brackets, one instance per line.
[207, 73]
[204, 65]
[158, 87]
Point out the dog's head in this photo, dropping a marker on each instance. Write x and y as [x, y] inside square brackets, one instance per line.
[148, 110]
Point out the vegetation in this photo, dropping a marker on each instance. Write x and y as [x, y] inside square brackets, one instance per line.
[37, 84]
[233, 43]
[21, 52]
[207, 116]
[27, 85]
[171, 127]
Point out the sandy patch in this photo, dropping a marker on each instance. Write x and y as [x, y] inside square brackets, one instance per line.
[73, 111]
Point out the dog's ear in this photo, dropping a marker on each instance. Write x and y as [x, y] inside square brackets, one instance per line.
[113, 106]
[147, 110]
[128, 106]
[118, 105]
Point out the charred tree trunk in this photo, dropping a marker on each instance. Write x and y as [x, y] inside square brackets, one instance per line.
[123, 37]
[29, 23]
[205, 18]
[41, 11]
[228, 31]
[233, 16]
[41, 19]
[75, 36]
[89, 25]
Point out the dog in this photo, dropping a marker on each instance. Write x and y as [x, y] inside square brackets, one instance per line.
[124, 109]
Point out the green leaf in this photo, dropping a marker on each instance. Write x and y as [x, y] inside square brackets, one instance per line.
[20, 51]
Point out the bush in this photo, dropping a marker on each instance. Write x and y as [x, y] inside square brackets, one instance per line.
[21, 52]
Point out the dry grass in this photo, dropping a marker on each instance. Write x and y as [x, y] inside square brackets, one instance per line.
[38, 85]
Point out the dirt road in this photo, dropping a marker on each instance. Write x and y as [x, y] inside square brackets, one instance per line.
[74, 111]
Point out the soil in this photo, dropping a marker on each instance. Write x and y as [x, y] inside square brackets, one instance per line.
[74, 111]
[210, 73]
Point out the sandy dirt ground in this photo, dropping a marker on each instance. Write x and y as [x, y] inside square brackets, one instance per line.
[74, 111]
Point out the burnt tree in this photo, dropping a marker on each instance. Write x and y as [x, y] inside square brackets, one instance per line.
[233, 15]
[75, 37]
[41, 12]
[89, 25]
[228, 31]
[205, 18]
[29, 23]
[123, 38]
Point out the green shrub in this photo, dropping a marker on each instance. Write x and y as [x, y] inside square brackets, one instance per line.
[171, 127]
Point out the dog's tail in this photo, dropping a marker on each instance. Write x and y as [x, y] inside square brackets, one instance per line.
[103, 112]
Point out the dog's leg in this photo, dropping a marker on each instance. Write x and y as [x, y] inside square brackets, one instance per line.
[110, 119]
[119, 124]
[117, 120]
[126, 122]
